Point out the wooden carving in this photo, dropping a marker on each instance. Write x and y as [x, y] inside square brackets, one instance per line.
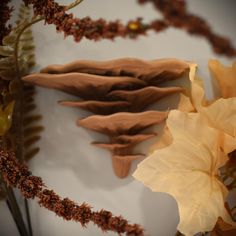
[119, 92]
[124, 130]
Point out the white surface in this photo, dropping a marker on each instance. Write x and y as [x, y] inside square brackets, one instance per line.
[67, 162]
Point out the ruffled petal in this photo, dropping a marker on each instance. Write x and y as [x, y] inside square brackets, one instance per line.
[225, 76]
[187, 169]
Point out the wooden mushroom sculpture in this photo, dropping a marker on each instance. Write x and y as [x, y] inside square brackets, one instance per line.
[125, 131]
[119, 92]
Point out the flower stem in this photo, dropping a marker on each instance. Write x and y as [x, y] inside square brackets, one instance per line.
[74, 4]
[28, 217]
[15, 210]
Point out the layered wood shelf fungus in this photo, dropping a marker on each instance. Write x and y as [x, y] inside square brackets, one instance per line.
[120, 93]
[142, 83]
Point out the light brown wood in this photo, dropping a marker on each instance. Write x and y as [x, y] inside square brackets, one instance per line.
[144, 97]
[124, 130]
[87, 86]
[121, 165]
[99, 107]
[124, 144]
[123, 122]
[152, 71]
[118, 91]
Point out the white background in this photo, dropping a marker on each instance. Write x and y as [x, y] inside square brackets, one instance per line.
[67, 162]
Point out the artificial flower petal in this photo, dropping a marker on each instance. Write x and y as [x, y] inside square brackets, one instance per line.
[222, 115]
[185, 103]
[197, 88]
[165, 139]
[188, 170]
[225, 76]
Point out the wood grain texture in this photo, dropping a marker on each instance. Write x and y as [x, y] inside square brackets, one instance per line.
[119, 93]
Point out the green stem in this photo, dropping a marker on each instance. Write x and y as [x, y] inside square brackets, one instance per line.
[74, 4]
[28, 217]
[15, 210]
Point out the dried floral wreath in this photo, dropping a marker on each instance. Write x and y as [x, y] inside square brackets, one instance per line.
[209, 127]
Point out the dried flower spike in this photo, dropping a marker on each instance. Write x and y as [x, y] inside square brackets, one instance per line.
[18, 175]
[174, 12]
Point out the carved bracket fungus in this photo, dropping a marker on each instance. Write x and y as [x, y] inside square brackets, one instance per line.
[119, 92]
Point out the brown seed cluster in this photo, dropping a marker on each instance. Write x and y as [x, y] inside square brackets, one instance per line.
[88, 28]
[174, 12]
[18, 175]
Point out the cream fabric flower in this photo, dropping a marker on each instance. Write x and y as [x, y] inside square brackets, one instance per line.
[220, 113]
[225, 76]
[186, 162]
[188, 170]
[165, 137]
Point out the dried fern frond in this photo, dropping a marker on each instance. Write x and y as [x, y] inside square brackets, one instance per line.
[26, 58]
[17, 59]
[32, 129]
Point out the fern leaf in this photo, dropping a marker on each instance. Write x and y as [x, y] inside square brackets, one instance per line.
[32, 129]
[26, 59]
[6, 50]
[6, 63]
[9, 40]
[31, 153]
[31, 141]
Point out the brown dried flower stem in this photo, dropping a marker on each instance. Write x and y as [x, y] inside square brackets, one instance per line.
[17, 175]
[174, 12]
